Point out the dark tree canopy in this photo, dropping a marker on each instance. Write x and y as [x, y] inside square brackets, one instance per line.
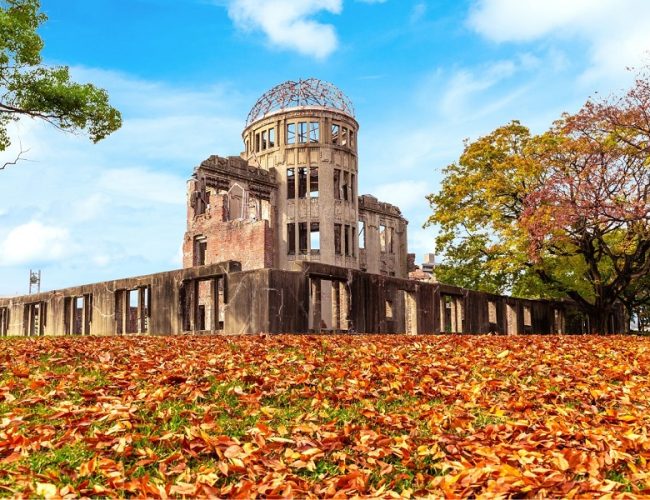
[30, 89]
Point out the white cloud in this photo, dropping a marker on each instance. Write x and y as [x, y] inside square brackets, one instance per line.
[288, 24]
[465, 84]
[35, 242]
[120, 202]
[616, 31]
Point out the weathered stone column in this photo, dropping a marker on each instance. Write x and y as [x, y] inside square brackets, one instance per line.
[344, 306]
[315, 297]
[336, 309]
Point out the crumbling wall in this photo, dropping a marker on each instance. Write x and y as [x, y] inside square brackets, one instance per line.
[385, 238]
[230, 214]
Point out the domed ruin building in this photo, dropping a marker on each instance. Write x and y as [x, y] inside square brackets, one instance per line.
[278, 240]
[292, 194]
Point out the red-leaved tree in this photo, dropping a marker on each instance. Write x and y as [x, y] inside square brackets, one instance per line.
[591, 207]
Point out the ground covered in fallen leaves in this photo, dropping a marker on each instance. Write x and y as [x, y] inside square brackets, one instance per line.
[324, 416]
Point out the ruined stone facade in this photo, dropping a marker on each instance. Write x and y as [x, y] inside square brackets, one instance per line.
[279, 241]
[292, 195]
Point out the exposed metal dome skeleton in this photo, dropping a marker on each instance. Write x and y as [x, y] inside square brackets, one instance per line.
[309, 92]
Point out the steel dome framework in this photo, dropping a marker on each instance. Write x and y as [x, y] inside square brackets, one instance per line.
[309, 92]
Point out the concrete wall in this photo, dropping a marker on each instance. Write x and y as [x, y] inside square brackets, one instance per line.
[221, 298]
[385, 246]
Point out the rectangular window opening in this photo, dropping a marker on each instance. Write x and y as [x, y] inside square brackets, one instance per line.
[347, 240]
[492, 312]
[264, 140]
[362, 234]
[291, 183]
[528, 320]
[200, 248]
[302, 132]
[344, 187]
[344, 137]
[272, 137]
[302, 182]
[291, 133]
[389, 309]
[314, 243]
[313, 182]
[291, 239]
[257, 143]
[302, 238]
[337, 239]
[4, 321]
[337, 184]
[382, 237]
[335, 134]
[314, 132]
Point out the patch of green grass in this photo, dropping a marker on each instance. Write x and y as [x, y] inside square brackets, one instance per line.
[41, 413]
[387, 405]
[482, 419]
[324, 469]
[619, 477]
[401, 476]
[60, 460]
[346, 414]
[97, 378]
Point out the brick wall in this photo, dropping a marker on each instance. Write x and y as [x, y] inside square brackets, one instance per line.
[247, 241]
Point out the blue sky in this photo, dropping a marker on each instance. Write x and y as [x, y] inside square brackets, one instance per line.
[423, 76]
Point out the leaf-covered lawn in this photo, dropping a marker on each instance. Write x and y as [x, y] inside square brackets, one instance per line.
[324, 415]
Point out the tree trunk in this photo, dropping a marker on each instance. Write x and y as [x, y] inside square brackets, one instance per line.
[599, 321]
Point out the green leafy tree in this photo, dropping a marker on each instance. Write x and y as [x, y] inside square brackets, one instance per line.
[30, 89]
[562, 214]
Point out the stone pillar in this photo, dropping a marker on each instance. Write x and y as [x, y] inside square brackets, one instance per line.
[454, 316]
[315, 296]
[344, 306]
[141, 315]
[336, 309]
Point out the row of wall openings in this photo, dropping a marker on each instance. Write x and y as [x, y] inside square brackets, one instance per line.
[343, 185]
[303, 132]
[264, 140]
[35, 318]
[307, 178]
[133, 310]
[78, 314]
[344, 239]
[306, 243]
[4, 321]
[202, 302]
[342, 136]
[386, 237]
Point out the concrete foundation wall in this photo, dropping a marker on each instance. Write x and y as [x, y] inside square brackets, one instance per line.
[221, 298]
